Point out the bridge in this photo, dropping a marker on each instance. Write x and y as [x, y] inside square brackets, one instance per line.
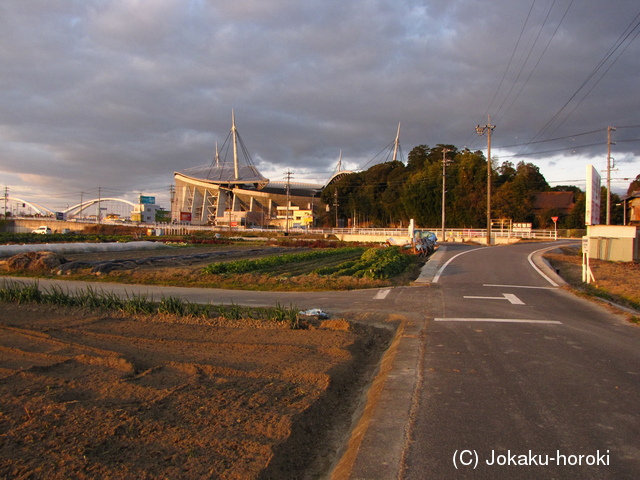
[43, 211]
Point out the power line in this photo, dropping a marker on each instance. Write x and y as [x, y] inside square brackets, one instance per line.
[515, 48]
[554, 139]
[617, 44]
[524, 84]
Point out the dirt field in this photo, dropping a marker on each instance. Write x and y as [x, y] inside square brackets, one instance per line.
[94, 396]
[615, 281]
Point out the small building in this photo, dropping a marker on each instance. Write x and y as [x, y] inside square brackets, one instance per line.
[145, 211]
[617, 243]
[295, 217]
[632, 208]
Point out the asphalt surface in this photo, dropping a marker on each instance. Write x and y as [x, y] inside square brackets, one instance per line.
[521, 379]
[495, 370]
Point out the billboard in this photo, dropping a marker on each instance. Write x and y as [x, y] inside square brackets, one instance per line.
[185, 216]
[592, 213]
[147, 200]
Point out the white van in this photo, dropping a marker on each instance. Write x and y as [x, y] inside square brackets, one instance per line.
[43, 230]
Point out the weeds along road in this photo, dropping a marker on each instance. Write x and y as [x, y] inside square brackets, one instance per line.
[495, 372]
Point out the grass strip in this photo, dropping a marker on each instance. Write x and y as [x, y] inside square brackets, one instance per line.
[23, 293]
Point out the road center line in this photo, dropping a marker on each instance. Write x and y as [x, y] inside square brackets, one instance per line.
[496, 320]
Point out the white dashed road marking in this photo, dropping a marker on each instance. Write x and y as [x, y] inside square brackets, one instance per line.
[382, 294]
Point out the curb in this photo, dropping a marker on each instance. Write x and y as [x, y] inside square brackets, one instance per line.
[429, 269]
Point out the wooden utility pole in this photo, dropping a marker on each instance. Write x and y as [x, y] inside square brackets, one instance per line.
[480, 130]
[609, 143]
[444, 188]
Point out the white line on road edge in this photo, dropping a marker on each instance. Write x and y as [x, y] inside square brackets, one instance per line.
[496, 320]
[382, 294]
[535, 267]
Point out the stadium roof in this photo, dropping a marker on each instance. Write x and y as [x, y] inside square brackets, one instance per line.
[225, 174]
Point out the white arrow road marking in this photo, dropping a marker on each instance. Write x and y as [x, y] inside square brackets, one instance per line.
[382, 294]
[505, 296]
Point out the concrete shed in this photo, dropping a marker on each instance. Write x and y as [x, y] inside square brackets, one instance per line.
[617, 243]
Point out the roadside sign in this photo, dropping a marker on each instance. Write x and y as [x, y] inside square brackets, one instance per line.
[522, 227]
[587, 274]
[555, 219]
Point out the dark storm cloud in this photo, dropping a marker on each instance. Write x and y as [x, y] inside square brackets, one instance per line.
[122, 93]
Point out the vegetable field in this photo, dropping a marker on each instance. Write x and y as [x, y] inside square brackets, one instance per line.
[372, 263]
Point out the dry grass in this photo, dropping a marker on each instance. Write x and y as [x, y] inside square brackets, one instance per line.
[615, 281]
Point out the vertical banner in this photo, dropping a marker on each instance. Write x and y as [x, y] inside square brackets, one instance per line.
[592, 213]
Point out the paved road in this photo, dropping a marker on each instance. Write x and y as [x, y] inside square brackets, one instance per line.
[518, 372]
[492, 360]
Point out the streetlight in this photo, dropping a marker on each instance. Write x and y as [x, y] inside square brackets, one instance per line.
[480, 130]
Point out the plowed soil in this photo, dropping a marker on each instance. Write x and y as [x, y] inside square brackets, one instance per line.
[88, 395]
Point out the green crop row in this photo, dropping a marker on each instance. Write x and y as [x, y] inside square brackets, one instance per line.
[21, 293]
[375, 263]
[244, 266]
[388, 264]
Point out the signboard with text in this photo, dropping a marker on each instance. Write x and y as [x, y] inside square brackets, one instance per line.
[592, 208]
[144, 200]
[185, 216]
[522, 227]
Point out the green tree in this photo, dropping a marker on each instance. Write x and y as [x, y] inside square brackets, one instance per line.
[467, 189]
[418, 157]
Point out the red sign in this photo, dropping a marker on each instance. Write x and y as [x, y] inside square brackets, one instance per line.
[555, 219]
[185, 216]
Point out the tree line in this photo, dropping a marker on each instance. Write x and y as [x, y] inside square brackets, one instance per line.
[389, 194]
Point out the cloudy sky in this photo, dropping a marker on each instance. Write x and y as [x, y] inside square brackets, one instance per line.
[119, 94]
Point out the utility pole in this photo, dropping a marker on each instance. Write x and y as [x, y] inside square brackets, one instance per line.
[609, 143]
[172, 198]
[480, 130]
[6, 197]
[335, 204]
[444, 183]
[99, 205]
[287, 176]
